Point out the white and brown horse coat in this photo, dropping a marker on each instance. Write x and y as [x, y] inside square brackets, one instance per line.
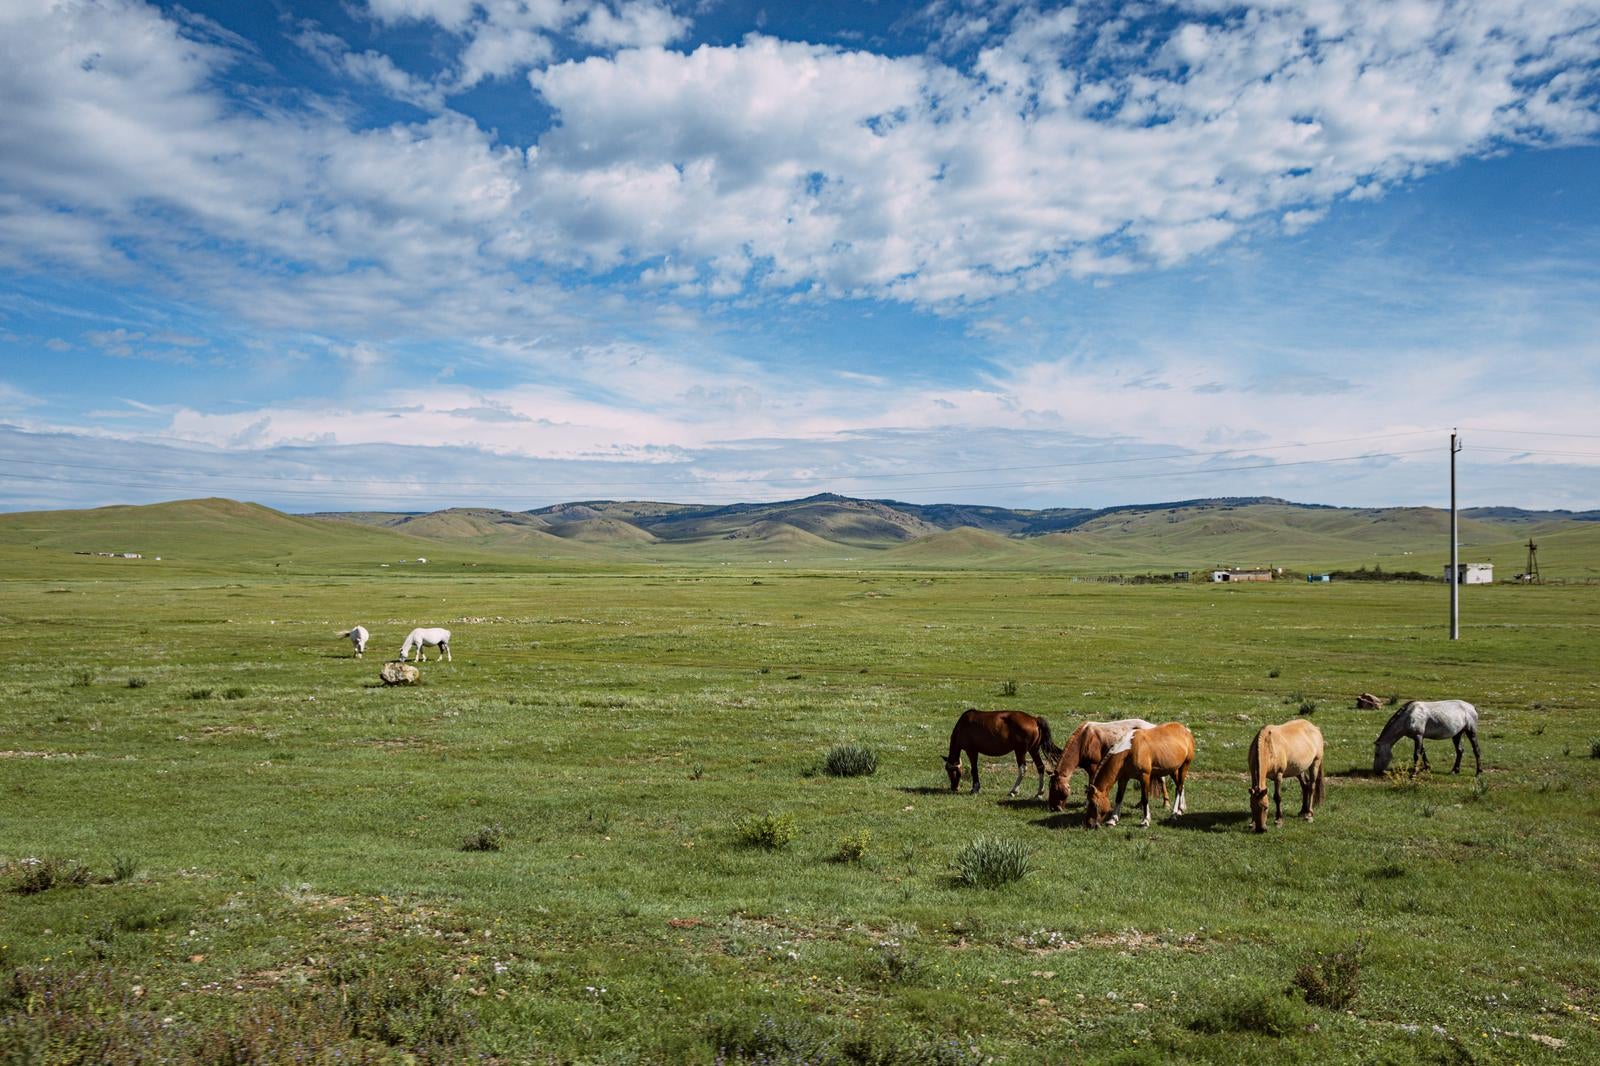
[1147, 755]
[1086, 749]
[1293, 749]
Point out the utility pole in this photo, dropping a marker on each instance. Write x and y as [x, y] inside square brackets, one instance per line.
[1455, 543]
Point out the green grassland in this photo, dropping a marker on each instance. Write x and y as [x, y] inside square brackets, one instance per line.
[255, 853]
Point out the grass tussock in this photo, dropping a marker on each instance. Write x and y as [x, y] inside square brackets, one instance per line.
[1249, 1008]
[989, 862]
[850, 760]
[485, 838]
[853, 846]
[31, 876]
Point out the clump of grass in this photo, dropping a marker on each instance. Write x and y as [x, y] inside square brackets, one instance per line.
[772, 832]
[82, 679]
[989, 862]
[137, 682]
[485, 838]
[200, 694]
[1308, 706]
[850, 760]
[235, 693]
[853, 846]
[1008, 688]
[1387, 872]
[123, 867]
[1249, 1009]
[1274, 672]
[1594, 749]
[33, 875]
[892, 963]
[1332, 979]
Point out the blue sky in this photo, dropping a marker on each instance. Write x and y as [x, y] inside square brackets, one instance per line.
[404, 254]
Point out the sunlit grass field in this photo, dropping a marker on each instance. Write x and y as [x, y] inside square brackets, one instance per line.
[255, 853]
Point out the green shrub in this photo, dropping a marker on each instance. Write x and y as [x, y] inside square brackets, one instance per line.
[770, 831]
[137, 682]
[989, 862]
[1308, 706]
[850, 760]
[1008, 688]
[1594, 749]
[235, 693]
[200, 694]
[123, 867]
[1332, 979]
[853, 846]
[82, 679]
[1249, 1009]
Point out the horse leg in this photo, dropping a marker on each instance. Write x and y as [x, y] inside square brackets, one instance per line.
[1116, 812]
[1277, 800]
[1144, 800]
[1417, 754]
[1477, 760]
[972, 757]
[1456, 769]
[446, 647]
[1022, 768]
[1307, 782]
[1039, 765]
[1180, 801]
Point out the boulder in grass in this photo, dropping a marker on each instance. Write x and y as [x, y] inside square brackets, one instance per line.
[400, 674]
[1368, 702]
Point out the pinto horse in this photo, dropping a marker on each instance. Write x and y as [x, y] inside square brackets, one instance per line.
[1293, 749]
[1147, 755]
[420, 638]
[1421, 721]
[996, 733]
[1086, 748]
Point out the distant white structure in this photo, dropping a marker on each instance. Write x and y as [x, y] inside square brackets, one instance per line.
[1472, 573]
[1241, 575]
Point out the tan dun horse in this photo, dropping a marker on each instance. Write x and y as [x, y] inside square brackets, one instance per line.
[998, 733]
[1293, 749]
[1147, 755]
[1086, 748]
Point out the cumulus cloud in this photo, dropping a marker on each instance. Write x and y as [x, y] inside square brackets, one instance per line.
[1078, 142]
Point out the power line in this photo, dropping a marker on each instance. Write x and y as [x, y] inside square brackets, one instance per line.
[1530, 432]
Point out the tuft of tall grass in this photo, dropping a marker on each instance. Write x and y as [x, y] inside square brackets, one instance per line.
[1249, 1008]
[137, 682]
[850, 760]
[989, 862]
[853, 846]
[31, 876]
[485, 838]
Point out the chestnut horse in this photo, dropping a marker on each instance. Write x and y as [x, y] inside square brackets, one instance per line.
[996, 733]
[1293, 749]
[1147, 755]
[1085, 748]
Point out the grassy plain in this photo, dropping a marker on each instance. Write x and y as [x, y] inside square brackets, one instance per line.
[276, 843]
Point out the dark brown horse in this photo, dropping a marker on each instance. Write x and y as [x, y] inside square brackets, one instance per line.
[1085, 748]
[997, 733]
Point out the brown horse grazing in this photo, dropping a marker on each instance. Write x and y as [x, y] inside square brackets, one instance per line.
[1293, 749]
[1086, 748]
[1148, 755]
[996, 733]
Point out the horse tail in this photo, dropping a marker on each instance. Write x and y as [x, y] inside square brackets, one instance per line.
[1317, 790]
[345, 632]
[1045, 740]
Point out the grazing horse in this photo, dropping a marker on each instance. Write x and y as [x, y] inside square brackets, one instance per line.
[358, 637]
[426, 638]
[1086, 748]
[1293, 749]
[996, 733]
[1147, 755]
[1421, 721]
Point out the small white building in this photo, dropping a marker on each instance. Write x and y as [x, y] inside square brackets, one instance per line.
[1241, 575]
[1472, 573]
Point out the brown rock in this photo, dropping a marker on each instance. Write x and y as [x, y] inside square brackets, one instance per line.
[1368, 702]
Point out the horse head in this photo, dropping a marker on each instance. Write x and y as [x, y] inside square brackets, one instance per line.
[952, 767]
[1060, 791]
[1381, 754]
[1258, 809]
[1096, 807]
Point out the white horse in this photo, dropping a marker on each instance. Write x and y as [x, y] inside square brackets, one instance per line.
[1421, 721]
[426, 638]
[358, 637]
